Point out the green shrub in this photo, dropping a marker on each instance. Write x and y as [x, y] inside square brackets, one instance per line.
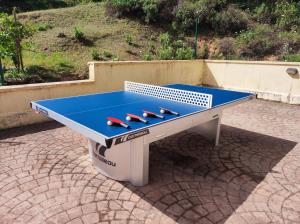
[148, 10]
[287, 14]
[107, 54]
[116, 58]
[186, 53]
[290, 40]
[183, 52]
[124, 7]
[79, 35]
[204, 51]
[230, 20]
[14, 74]
[205, 10]
[165, 40]
[258, 42]
[96, 55]
[147, 57]
[129, 39]
[292, 57]
[151, 10]
[165, 53]
[185, 17]
[263, 13]
[44, 26]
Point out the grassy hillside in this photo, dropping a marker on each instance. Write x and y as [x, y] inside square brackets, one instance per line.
[65, 39]
[55, 51]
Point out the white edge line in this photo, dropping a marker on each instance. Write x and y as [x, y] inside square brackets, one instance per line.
[69, 97]
[61, 117]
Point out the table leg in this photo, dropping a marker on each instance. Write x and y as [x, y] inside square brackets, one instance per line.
[128, 161]
[139, 161]
[210, 129]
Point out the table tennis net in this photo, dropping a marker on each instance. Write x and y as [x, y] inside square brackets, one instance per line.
[178, 95]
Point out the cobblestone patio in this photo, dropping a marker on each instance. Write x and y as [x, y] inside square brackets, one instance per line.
[252, 177]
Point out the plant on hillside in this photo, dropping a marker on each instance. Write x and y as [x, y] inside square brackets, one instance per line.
[183, 52]
[107, 54]
[227, 47]
[230, 20]
[165, 51]
[44, 26]
[292, 57]
[79, 34]
[12, 34]
[258, 42]
[288, 14]
[204, 51]
[147, 57]
[96, 55]
[129, 39]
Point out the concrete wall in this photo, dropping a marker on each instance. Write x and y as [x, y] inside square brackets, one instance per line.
[15, 100]
[268, 79]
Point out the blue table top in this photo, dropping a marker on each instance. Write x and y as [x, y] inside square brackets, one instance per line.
[92, 111]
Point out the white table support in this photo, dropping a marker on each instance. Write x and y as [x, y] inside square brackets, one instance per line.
[210, 129]
[128, 161]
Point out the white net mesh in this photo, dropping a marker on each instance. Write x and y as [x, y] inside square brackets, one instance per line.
[189, 97]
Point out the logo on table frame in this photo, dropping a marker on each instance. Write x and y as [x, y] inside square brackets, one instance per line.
[99, 153]
[131, 136]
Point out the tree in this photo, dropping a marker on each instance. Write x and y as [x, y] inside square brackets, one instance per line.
[12, 33]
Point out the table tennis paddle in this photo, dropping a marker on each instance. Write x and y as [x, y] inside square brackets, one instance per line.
[111, 121]
[132, 117]
[167, 111]
[151, 114]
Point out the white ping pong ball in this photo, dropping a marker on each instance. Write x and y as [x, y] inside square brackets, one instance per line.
[162, 111]
[128, 118]
[109, 123]
[145, 114]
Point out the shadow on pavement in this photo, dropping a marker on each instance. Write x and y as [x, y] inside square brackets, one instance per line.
[192, 181]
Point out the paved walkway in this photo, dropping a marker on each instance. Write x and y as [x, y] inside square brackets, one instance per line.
[252, 177]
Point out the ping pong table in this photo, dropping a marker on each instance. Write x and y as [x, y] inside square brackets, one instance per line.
[119, 148]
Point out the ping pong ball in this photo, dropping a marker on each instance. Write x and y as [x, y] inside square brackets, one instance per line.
[128, 118]
[109, 123]
[145, 115]
[162, 111]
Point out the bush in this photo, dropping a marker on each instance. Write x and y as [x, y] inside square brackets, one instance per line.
[183, 52]
[44, 26]
[148, 10]
[258, 42]
[227, 46]
[263, 13]
[129, 39]
[96, 55]
[79, 35]
[287, 14]
[290, 40]
[230, 20]
[147, 57]
[164, 40]
[107, 54]
[205, 10]
[151, 10]
[165, 53]
[204, 51]
[292, 57]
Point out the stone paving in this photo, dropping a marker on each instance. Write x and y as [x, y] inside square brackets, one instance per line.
[252, 177]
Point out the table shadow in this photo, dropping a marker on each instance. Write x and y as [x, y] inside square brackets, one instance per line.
[193, 181]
